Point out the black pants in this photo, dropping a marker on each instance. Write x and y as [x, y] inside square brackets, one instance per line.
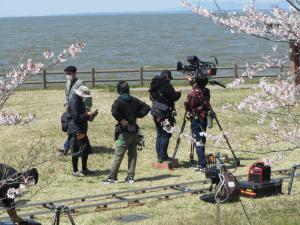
[84, 160]
[80, 148]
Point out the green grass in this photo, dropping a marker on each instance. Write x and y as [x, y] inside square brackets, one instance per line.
[48, 106]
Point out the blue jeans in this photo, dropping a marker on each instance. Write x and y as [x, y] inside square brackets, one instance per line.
[198, 126]
[67, 144]
[162, 141]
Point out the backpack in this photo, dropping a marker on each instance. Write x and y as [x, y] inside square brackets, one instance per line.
[65, 119]
[154, 85]
[228, 189]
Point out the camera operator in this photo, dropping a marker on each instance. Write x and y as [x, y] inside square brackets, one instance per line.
[197, 106]
[13, 182]
[78, 127]
[164, 97]
[126, 109]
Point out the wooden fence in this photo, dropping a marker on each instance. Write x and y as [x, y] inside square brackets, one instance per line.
[140, 78]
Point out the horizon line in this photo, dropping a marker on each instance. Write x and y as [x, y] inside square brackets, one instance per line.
[179, 11]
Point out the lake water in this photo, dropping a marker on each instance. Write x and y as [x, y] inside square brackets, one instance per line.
[128, 41]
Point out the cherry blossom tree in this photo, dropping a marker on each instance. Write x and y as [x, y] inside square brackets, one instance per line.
[18, 75]
[274, 105]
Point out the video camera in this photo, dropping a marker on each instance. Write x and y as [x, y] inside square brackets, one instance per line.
[198, 67]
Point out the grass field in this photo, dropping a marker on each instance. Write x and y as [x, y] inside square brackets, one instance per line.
[47, 105]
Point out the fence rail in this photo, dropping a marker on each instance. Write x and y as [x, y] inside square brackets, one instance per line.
[140, 78]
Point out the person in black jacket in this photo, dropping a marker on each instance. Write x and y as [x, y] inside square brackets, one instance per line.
[77, 129]
[164, 97]
[126, 109]
[11, 183]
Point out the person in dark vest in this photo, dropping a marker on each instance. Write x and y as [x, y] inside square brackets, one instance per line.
[72, 84]
[14, 183]
[78, 128]
[197, 106]
[126, 109]
[164, 97]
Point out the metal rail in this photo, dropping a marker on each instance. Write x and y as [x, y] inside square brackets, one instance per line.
[102, 201]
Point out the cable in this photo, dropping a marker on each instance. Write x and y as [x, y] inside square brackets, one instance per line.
[222, 181]
[245, 212]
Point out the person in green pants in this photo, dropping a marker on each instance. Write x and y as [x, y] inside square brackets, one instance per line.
[126, 109]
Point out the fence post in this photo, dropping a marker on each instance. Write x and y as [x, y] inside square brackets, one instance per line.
[44, 79]
[93, 80]
[142, 76]
[236, 71]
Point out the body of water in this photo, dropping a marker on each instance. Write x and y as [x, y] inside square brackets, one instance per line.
[128, 41]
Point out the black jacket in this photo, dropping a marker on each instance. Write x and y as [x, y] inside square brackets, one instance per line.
[129, 108]
[79, 121]
[9, 178]
[162, 91]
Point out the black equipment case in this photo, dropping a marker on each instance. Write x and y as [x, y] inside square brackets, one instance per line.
[262, 189]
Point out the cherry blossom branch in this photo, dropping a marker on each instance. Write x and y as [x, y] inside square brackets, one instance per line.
[16, 78]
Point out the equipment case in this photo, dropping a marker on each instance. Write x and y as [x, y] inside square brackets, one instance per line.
[262, 189]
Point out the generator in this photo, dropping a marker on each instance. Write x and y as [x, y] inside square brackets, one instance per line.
[259, 172]
[259, 182]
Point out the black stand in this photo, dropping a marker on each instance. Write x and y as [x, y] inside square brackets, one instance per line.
[292, 178]
[58, 210]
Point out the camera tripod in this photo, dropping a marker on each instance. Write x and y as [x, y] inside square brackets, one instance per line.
[173, 161]
[58, 210]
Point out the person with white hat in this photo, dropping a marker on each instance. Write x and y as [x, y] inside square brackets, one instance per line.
[78, 127]
[72, 84]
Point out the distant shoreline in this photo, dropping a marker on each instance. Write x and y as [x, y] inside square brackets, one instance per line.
[115, 13]
[105, 14]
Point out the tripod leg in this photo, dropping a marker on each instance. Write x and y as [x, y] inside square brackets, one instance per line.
[58, 217]
[54, 218]
[192, 153]
[179, 137]
[226, 138]
[70, 217]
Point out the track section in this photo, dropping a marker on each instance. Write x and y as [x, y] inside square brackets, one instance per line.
[103, 201]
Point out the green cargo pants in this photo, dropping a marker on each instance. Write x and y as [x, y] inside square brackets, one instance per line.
[126, 141]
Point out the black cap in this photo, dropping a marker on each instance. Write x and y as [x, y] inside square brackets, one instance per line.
[166, 73]
[71, 69]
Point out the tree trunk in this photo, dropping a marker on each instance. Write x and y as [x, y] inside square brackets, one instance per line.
[294, 61]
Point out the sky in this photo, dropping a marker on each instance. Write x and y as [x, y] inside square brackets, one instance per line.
[17, 8]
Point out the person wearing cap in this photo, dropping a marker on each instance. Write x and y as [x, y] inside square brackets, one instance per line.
[78, 127]
[163, 96]
[126, 109]
[72, 84]
[13, 182]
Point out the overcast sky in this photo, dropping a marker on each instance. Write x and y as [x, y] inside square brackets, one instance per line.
[13, 8]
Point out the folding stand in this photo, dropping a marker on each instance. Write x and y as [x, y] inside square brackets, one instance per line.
[58, 210]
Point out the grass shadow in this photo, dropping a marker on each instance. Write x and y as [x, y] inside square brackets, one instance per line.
[103, 150]
[95, 173]
[187, 164]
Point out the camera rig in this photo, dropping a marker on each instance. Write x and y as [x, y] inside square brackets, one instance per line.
[200, 68]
